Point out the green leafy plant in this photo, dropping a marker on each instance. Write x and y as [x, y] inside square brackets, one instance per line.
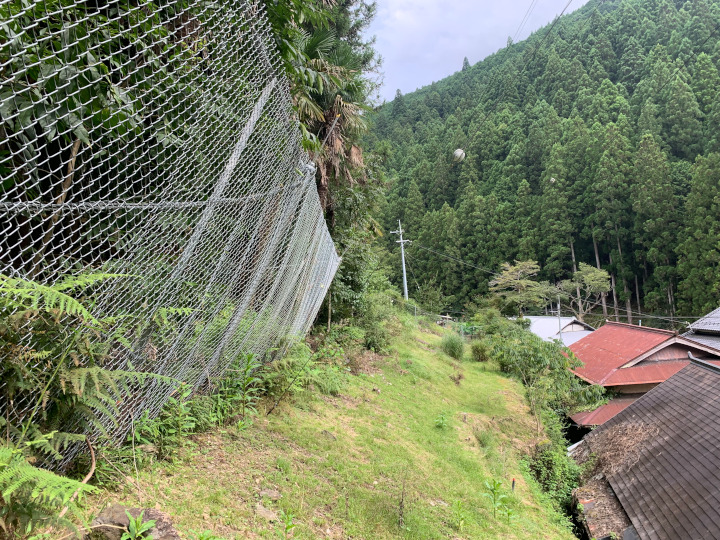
[509, 513]
[237, 393]
[459, 515]
[138, 528]
[441, 421]
[171, 429]
[452, 345]
[494, 495]
[287, 523]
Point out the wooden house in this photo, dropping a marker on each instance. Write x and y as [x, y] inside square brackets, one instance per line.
[656, 464]
[630, 360]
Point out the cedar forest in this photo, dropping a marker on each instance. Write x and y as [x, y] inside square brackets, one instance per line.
[594, 141]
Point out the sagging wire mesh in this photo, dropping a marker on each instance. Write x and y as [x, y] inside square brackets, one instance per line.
[155, 140]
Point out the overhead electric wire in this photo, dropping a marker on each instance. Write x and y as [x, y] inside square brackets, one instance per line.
[527, 62]
[530, 8]
[441, 254]
[407, 258]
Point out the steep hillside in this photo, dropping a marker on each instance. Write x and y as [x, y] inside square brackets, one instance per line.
[403, 451]
[593, 141]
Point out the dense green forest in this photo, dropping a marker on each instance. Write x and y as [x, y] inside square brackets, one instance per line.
[596, 140]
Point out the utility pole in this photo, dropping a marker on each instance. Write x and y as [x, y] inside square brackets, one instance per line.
[402, 254]
[559, 320]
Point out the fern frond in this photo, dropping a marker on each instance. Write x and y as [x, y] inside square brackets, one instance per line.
[51, 444]
[19, 479]
[83, 281]
[21, 293]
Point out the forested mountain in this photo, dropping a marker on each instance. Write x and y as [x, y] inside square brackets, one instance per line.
[596, 140]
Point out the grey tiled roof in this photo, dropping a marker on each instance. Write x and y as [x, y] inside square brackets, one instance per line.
[709, 323]
[672, 489]
[711, 340]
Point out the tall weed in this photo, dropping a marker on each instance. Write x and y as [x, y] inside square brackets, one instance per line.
[453, 345]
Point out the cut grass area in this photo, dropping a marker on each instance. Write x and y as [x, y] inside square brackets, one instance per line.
[403, 452]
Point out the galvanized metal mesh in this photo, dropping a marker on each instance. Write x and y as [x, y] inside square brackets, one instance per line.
[155, 139]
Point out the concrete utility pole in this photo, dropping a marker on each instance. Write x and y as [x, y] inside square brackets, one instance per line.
[402, 254]
[559, 319]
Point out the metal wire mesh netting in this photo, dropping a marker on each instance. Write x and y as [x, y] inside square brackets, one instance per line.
[155, 139]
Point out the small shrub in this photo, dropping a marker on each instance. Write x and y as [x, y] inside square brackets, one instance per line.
[480, 351]
[556, 473]
[485, 438]
[441, 421]
[452, 345]
[202, 409]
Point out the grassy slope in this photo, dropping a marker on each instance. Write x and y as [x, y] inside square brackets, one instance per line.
[340, 462]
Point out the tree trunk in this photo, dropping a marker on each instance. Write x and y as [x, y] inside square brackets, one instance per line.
[626, 289]
[603, 296]
[329, 311]
[637, 294]
[50, 230]
[614, 293]
[577, 289]
[628, 301]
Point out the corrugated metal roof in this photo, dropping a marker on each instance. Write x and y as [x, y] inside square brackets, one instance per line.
[646, 373]
[671, 487]
[709, 323]
[605, 412]
[614, 345]
[548, 327]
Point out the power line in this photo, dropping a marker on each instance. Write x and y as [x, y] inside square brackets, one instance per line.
[455, 259]
[530, 8]
[527, 62]
[411, 272]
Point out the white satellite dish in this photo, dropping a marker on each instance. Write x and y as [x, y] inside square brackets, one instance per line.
[459, 155]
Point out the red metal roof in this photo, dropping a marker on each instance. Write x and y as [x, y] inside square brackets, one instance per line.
[614, 345]
[605, 412]
[645, 373]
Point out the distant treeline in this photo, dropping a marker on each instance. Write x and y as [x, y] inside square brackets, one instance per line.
[596, 140]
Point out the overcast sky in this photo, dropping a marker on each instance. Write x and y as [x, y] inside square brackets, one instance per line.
[422, 41]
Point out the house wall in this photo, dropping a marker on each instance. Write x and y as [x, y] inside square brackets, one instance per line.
[677, 351]
[632, 388]
[574, 327]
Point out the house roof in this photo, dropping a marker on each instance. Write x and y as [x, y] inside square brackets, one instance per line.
[711, 340]
[568, 338]
[605, 412]
[618, 354]
[671, 486]
[710, 323]
[548, 327]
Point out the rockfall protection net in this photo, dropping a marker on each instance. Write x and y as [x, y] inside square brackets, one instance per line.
[156, 140]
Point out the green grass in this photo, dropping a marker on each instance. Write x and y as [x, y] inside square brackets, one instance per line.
[342, 463]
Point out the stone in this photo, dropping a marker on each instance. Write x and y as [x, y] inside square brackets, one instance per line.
[114, 516]
[272, 494]
[265, 513]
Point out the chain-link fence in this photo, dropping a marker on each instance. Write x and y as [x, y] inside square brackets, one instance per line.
[156, 140]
